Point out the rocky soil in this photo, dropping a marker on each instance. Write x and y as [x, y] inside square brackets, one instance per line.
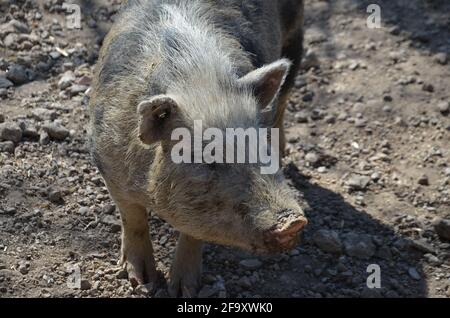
[368, 130]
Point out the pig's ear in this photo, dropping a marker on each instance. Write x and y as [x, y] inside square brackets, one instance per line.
[157, 118]
[266, 81]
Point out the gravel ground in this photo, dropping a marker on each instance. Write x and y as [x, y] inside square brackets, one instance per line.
[368, 131]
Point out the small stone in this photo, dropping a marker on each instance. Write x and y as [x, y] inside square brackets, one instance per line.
[357, 182]
[29, 131]
[109, 209]
[66, 80]
[54, 55]
[23, 269]
[432, 259]
[77, 89]
[85, 284]
[85, 80]
[423, 246]
[322, 169]
[310, 60]
[360, 122]
[330, 119]
[56, 131]
[44, 138]
[444, 107]
[122, 274]
[13, 26]
[55, 196]
[387, 109]
[251, 264]
[18, 74]
[428, 88]
[387, 98]
[244, 282]
[83, 211]
[375, 176]
[5, 83]
[423, 180]
[11, 40]
[413, 273]
[312, 158]
[442, 228]
[441, 58]
[359, 246]
[112, 222]
[328, 241]
[10, 132]
[301, 117]
[447, 172]
[7, 146]
[41, 114]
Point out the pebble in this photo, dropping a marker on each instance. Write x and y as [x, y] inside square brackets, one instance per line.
[442, 228]
[7, 146]
[359, 245]
[13, 26]
[244, 282]
[441, 58]
[328, 241]
[24, 268]
[66, 80]
[41, 114]
[10, 132]
[18, 74]
[312, 157]
[444, 107]
[5, 83]
[77, 89]
[301, 117]
[56, 131]
[310, 60]
[85, 284]
[413, 273]
[44, 138]
[112, 222]
[360, 122]
[428, 88]
[357, 182]
[55, 196]
[423, 180]
[423, 246]
[251, 264]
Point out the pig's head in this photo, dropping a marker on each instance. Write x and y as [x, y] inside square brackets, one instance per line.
[226, 203]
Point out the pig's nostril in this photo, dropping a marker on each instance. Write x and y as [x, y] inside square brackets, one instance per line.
[292, 226]
[285, 237]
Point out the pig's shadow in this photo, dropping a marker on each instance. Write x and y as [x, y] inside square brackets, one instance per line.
[314, 273]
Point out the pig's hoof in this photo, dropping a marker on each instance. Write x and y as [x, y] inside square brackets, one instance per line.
[140, 267]
[184, 284]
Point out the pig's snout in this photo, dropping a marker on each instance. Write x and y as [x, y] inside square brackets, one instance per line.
[285, 235]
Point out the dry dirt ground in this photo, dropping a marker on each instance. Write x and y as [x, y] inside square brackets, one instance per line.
[369, 150]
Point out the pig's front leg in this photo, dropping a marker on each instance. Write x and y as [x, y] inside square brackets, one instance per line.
[186, 271]
[137, 250]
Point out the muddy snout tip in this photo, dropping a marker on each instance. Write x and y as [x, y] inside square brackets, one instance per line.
[286, 236]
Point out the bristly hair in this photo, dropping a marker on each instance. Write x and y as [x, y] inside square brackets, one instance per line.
[195, 61]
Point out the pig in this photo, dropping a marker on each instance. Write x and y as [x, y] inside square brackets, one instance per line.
[164, 64]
